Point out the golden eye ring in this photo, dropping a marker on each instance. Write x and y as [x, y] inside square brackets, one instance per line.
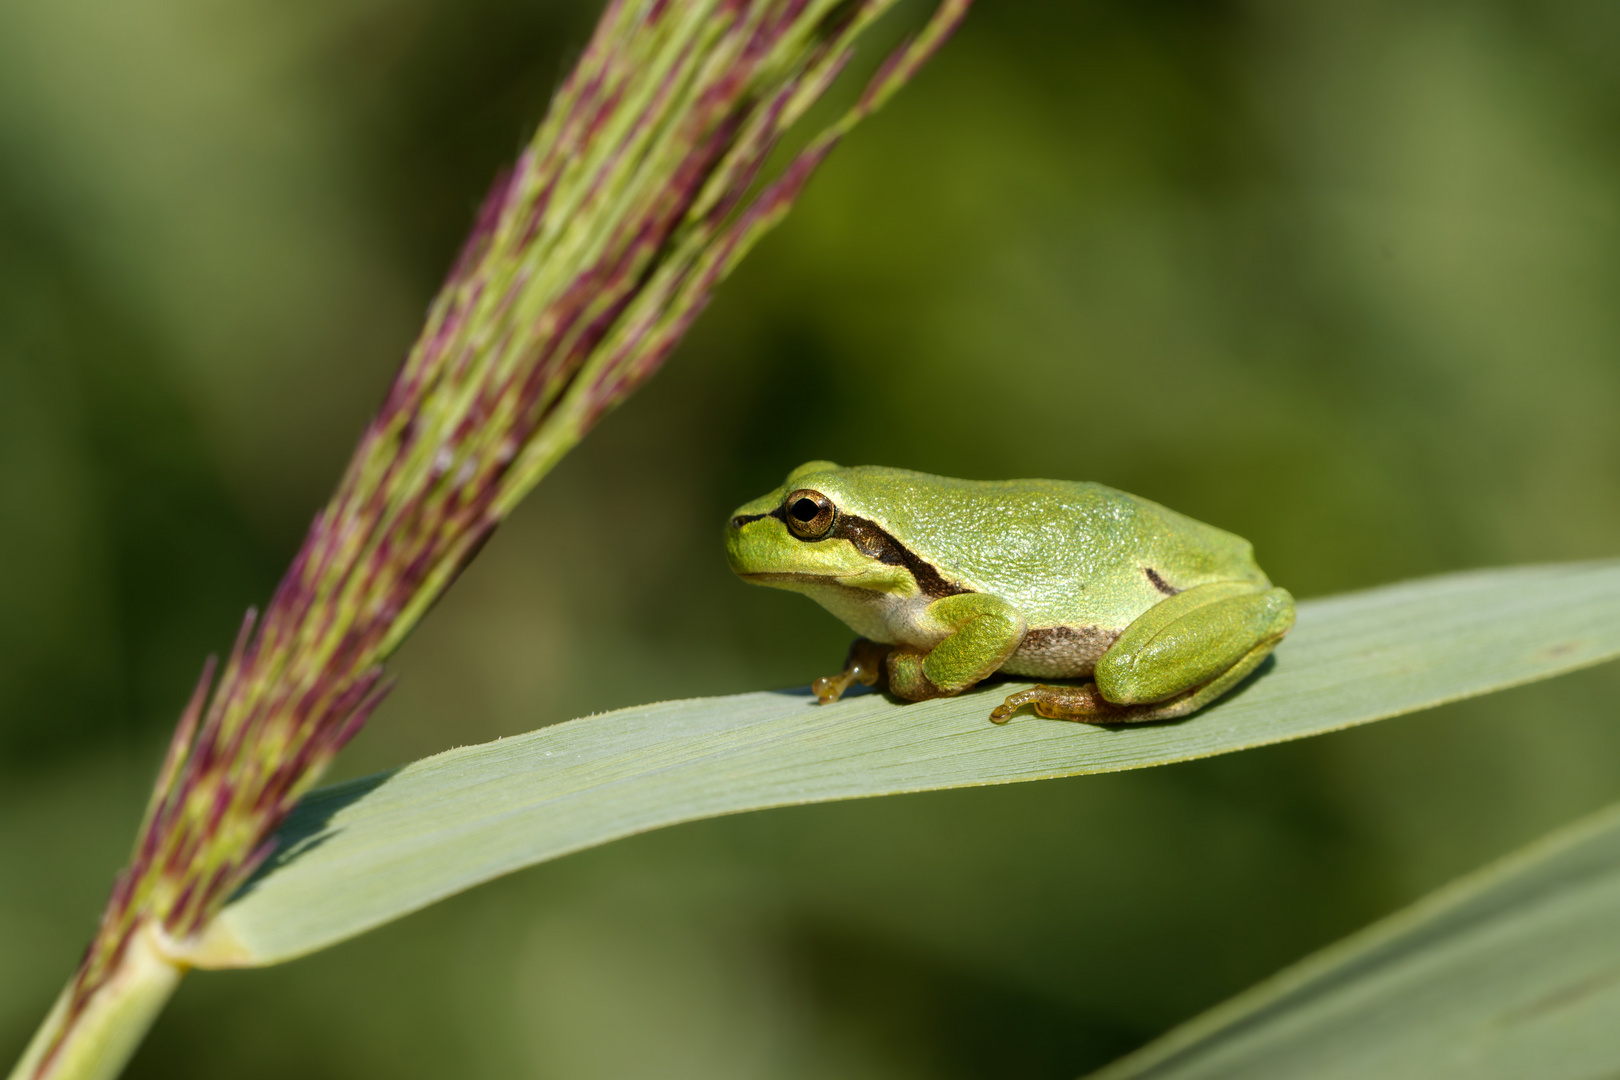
[809, 514]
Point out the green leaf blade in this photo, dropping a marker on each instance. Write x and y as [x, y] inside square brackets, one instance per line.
[359, 855]
[1510, 974]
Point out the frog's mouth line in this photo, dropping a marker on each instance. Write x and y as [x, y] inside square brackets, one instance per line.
[781, 577]
[798, 580]
[809, 584]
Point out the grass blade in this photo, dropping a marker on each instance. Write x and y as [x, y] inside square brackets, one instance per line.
[359, 855]
[1510, 974]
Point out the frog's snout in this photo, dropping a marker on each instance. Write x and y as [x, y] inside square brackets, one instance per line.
[735, 542]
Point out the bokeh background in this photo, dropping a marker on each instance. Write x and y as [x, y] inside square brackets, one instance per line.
[1342, 278]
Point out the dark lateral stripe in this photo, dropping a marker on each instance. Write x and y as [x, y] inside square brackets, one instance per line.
[1159, 582]
[872, 541]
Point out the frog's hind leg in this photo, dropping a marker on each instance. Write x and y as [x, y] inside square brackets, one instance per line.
[1182, 648]
[1085, 703]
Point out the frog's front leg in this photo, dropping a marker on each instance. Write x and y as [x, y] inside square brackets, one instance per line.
[863, 664]
[1179, 655]
[982, 631]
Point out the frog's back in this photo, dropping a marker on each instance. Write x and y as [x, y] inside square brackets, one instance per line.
[1069, 554]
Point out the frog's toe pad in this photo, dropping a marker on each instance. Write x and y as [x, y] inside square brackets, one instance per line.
[829, 688]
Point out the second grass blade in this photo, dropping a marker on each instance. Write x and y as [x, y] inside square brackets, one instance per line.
[1511, 974]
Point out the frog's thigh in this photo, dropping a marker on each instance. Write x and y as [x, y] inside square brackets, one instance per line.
[984, 631]
[1192, 639]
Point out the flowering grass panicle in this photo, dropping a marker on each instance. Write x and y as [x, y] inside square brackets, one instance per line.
[588, 260]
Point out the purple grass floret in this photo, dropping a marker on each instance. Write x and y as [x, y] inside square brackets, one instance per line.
[586, 263]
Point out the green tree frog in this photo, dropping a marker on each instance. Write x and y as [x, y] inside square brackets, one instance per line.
[949, 581]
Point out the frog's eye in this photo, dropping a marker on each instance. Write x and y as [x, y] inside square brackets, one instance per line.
[809, 514]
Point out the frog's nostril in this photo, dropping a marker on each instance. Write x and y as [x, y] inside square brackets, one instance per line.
[739, 521]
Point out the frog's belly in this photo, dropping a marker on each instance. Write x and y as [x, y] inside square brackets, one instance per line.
[1060, 652]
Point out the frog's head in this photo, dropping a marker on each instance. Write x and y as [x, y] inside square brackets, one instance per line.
[811, 532]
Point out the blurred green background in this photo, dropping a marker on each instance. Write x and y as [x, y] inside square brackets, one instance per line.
[1342, 278]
